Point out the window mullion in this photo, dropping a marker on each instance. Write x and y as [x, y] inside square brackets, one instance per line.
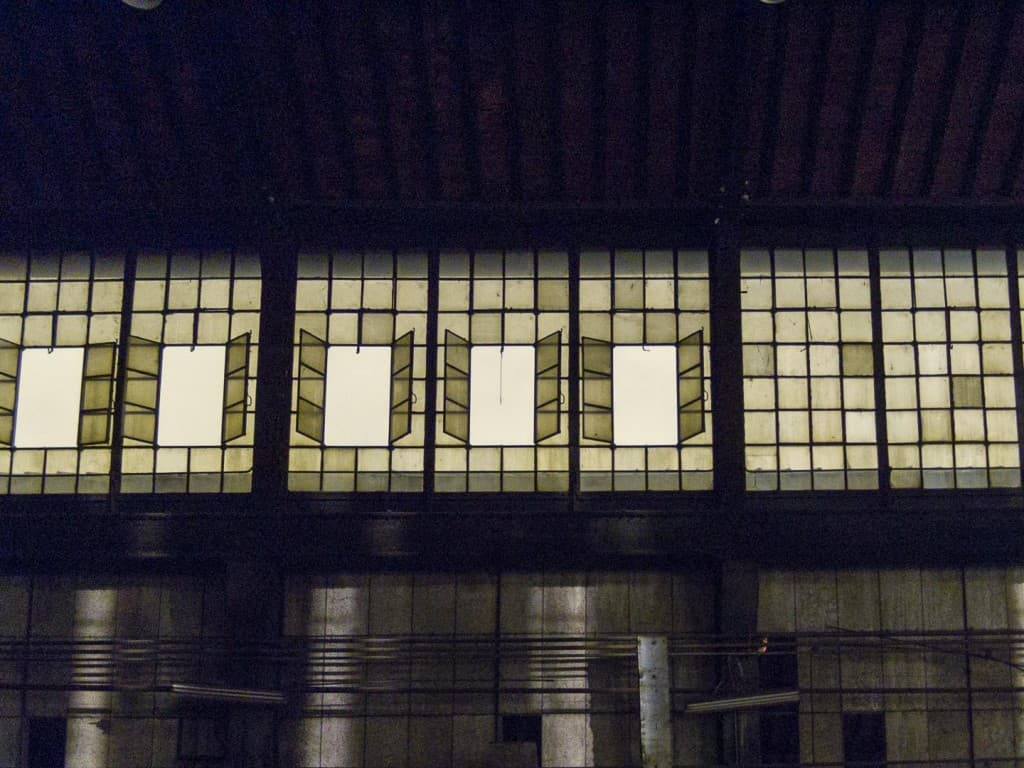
[1013, 285]
[878, 353]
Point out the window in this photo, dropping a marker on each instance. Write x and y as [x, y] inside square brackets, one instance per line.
[358, 400]
[191, 364]
[950, 401]
[645, 392]
[60, 319]
[808, 370]
[47, 740]
[864, 739]
[502, 372]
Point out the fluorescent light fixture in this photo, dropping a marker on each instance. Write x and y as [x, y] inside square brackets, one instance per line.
[754, 701]
[234, 695]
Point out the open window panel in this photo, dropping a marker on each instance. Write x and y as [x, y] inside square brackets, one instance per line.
[355, 396]
[503, 395]
[186, 395]
[56, 397]
[643, 395]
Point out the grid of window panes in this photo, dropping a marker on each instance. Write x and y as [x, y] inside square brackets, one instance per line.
[646, 304]
[808, 370]
[358, 377]
[949, 388]
[56, 308]
[517, 304]
[195, 315]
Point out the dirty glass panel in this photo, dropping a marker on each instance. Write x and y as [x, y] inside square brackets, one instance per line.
[236, 365]
[192, 302]
[634, 301]
[370, 311]
[67, 302]
[547, 386]
[808, 370]
[950, 399]
[515, 302]
[401, 387]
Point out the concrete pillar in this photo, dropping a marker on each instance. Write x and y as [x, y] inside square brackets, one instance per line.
[655, 701]
[254, 594]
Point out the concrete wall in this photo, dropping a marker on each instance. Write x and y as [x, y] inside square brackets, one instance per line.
[421, 689]
[104, 728]
[908, 667]
[543, 619]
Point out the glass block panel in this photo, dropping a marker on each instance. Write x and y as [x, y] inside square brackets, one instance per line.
[808, 370]
[951, 407]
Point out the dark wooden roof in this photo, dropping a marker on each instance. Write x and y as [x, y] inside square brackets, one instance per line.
[204, 102]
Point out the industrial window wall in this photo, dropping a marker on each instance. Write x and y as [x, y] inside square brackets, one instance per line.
[191, 366]
[60, 320]
[502, 361]
[451, 371]
[645, 375]
[358, 372]
[808, 370]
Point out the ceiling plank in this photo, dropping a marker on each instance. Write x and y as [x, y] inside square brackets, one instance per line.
[954, 57]
[669, 82]
[1004, 120]
[472, 137]
[446, 99]
[926, 94]
[578, 127]
[993, 77]
[911, 53]
[875, 109]
[851, 34]
[858, 101]
[537, 84]
[318, 102]
[815, 98]
[375, 61]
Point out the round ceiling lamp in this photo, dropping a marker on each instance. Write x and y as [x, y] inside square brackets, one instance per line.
[143, 5]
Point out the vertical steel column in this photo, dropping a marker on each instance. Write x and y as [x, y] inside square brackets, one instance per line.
[430, 375]
[278, 273]
[574, 375]
[727, 367]
[1013, 284]
[878, 352]
[117, 427]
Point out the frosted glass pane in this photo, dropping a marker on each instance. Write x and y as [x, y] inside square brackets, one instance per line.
[49, 398]
[501, 395]
[191, 396]
[644, 391]
[358, 396]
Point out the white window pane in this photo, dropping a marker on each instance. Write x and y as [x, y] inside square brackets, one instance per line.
[191, 396]
[49, 398]
[644, 395]
[358, 397]
[501, 395]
